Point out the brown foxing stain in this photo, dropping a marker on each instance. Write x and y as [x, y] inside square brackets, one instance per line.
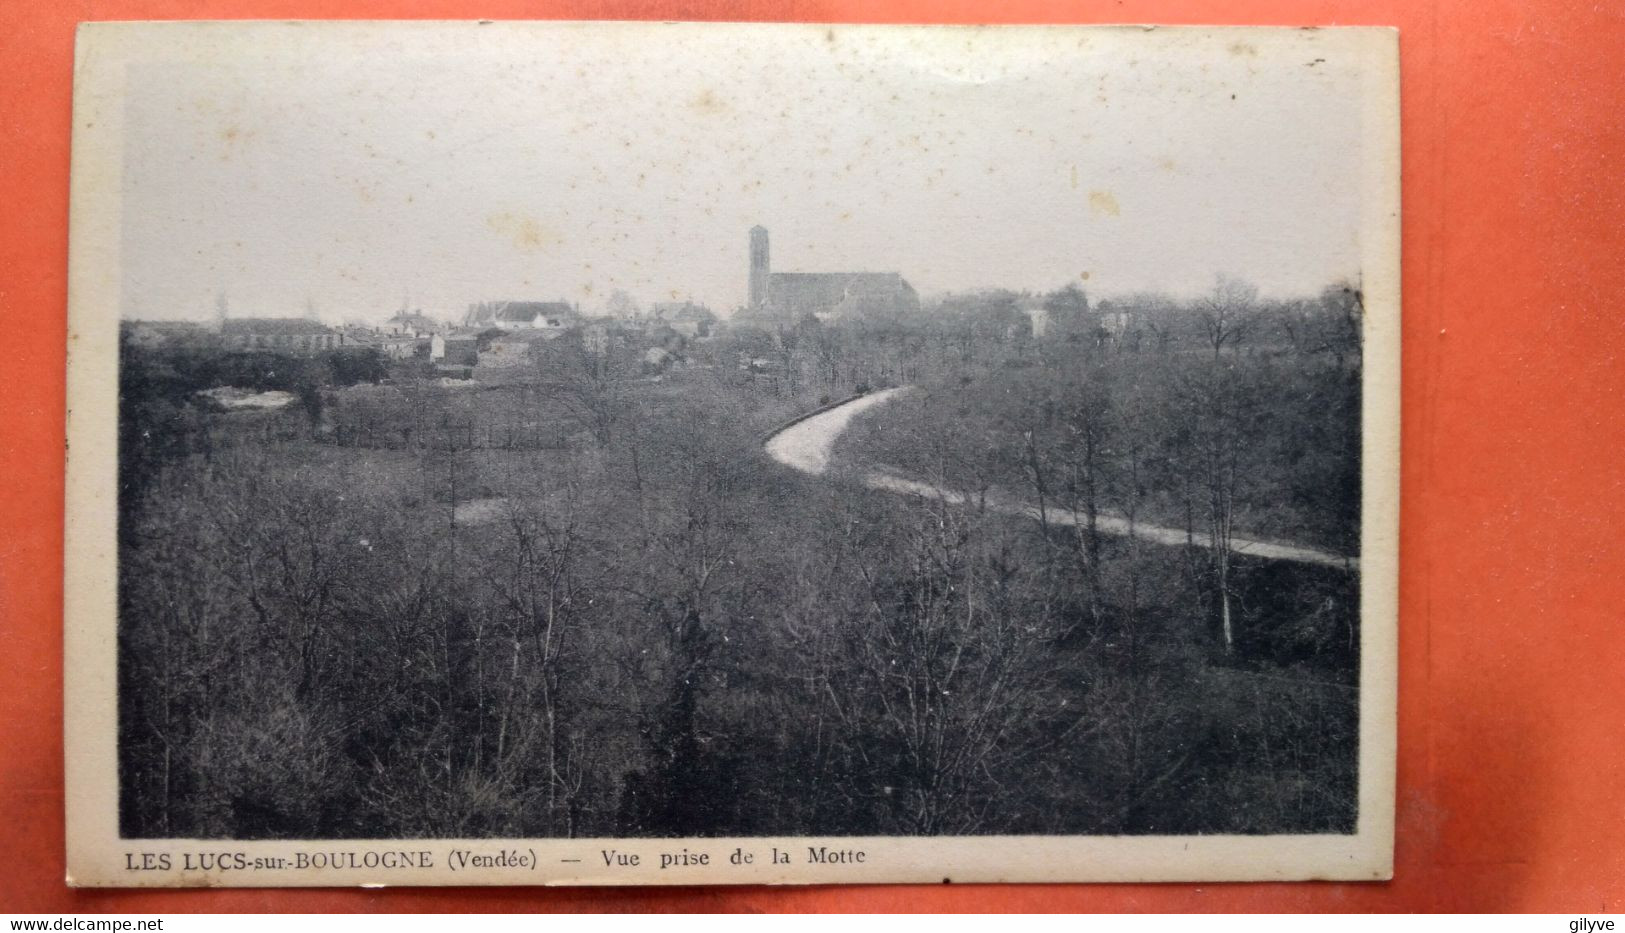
[231, 138]
[1244, 49]
[526, 232]
[1104, 202]
[707, 103]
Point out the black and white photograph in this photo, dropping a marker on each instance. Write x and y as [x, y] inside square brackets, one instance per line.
[695, 453]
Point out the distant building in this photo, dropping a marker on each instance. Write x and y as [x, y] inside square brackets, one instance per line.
[685, 317]
[827, 296]
[831, 296]
[396, 346]
[760, 268]
[1117, 321]
[287, 334]
[412, 324]
[522, 315]
[461, 352]
[1037, 313]
[1070, 317]
[514, 349]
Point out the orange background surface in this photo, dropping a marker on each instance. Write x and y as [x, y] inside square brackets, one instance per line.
[1512, 635]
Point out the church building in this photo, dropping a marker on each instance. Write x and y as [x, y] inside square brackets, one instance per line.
[828, 296]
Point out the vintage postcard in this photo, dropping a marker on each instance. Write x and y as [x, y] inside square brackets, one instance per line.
[610, 453]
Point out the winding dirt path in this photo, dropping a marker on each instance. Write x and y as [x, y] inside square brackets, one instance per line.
[806, 446]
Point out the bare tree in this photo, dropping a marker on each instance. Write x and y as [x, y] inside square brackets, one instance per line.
[1227, 313]
[943, 664]
[539, 592]
[621, 304]
[592, 382]
[1087, 422]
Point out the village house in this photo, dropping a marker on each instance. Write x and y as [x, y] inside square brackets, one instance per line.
[1037, 314]
[546, 316]
[684, 317]
[432, 346]
[397, 346]
[1117, 321]
[406, 323]
[403, 347]
[512, 349]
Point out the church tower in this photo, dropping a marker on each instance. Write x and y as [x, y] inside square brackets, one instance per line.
[759, 268]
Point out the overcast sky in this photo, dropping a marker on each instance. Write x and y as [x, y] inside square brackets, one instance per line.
[349, 170]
